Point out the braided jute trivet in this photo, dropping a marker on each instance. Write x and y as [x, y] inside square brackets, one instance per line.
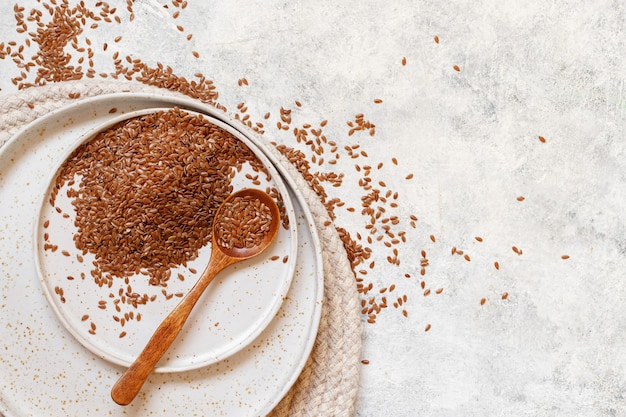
[329, 381]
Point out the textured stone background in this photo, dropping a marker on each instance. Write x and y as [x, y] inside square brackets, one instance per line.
[556, 346]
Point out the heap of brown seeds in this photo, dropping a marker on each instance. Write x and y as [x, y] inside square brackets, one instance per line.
[145, 191]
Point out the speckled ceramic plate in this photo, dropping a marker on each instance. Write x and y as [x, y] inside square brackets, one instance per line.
[44, 370]
[238, 305]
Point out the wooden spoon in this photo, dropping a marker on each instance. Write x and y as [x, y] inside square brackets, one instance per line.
[222, 255]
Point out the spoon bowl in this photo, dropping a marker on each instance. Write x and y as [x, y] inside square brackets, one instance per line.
[225, 251]
[268, 234]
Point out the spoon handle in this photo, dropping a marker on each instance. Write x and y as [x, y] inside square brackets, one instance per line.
[129, 384]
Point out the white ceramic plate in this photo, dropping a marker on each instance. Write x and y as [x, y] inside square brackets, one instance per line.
[44, 370]
[236, 307]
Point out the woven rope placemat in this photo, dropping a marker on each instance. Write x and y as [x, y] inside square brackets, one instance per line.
[329, 381]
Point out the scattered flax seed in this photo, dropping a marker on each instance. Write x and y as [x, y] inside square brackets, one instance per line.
[122, 334]
[53, 54]
[542, 139]
[408, 177]
[432, 237]
[196, 54]
[65, 253]
[427, 328]
[438, 290]
[496, 264]
[564, 256]
[298, 104]
[521, 198]
[286, 259]
[483, 301]
[516, 250]
[365, 362]
[405, 313]
[85, 317]
[456, 68]
[478, 238]
[505, 295]
[467, 257]
[427, 293]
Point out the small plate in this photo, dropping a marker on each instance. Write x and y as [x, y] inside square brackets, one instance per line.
[236, 308]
